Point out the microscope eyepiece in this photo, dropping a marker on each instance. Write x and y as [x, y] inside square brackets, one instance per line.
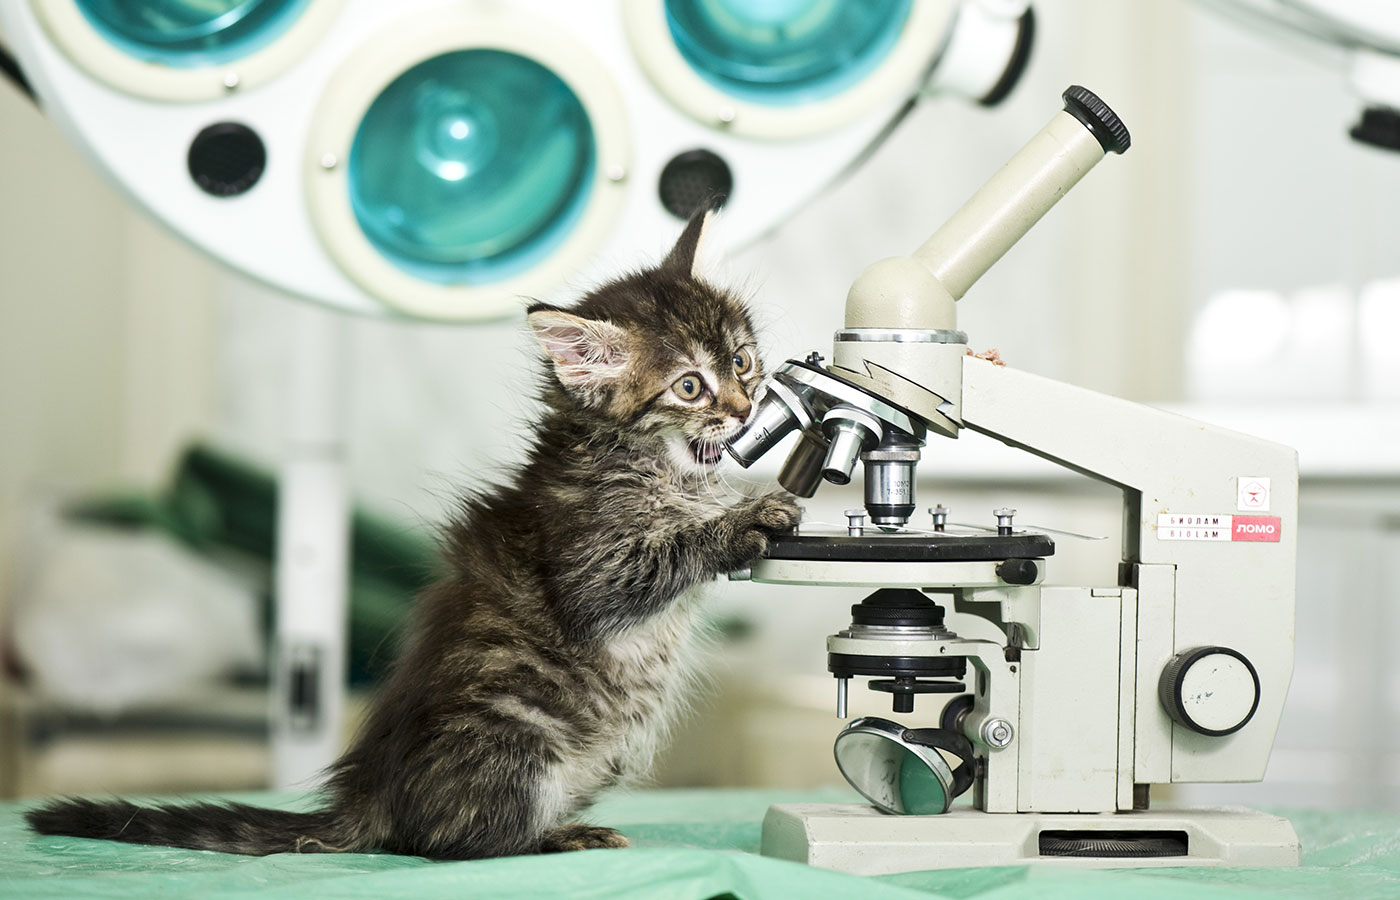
[1102, 122]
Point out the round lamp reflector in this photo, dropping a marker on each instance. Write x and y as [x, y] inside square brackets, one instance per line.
[191, 33]
[471, 166]
[785, 52]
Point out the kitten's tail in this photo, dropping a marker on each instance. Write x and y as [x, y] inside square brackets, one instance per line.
[227, 827]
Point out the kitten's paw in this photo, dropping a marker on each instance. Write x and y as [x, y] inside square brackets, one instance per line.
[757, 521]
[578, 836]
[776, 512]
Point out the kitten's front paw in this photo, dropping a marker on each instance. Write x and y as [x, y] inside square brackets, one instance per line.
[761, 518]
[777, 512]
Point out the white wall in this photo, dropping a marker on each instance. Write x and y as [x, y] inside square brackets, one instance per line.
[106, 327]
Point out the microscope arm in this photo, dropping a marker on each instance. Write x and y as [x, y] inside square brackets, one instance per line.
[1228, 581]
[1166, 463]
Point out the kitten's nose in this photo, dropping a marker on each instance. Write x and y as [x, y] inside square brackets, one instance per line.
[734, 402]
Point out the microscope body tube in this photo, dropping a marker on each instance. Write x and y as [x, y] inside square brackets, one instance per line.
[900, 343]
[918, 291]
[1005, 208]
[901, 340]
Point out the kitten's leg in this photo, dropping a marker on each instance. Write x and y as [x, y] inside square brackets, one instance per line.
[729, 541]
[578, 836]
[637, 579]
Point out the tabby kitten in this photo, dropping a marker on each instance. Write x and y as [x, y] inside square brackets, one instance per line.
[548, 662]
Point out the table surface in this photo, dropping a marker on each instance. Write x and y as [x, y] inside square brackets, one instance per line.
[689, 844]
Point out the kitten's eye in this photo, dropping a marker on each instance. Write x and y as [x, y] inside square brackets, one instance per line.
[743, 361]
[689, 387]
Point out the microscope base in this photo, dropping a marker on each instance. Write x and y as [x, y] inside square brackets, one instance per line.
[864, 841]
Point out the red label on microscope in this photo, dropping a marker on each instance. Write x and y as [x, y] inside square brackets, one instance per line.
[1257, 528]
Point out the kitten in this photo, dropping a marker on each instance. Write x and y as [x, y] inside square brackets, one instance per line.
[546, 665]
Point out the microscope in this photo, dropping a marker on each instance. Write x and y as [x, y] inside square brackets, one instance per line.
[1173, 670]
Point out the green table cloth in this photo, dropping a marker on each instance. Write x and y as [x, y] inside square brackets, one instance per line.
[689, 844]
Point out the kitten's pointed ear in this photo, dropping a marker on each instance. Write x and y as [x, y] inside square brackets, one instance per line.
[685, 255]
[585, 352]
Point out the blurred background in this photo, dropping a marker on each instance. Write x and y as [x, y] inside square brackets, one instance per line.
[1238, 264]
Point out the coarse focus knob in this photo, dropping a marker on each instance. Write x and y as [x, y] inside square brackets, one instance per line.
[1211, 690]
[1101, 121]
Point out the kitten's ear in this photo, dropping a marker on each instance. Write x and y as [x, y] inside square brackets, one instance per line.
[585, 352]
[685, 255]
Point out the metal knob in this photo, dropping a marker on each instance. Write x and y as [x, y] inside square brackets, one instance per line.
[939, 514]
[1004, 516]
[1211, 690]
[855, 522]
[996, 733]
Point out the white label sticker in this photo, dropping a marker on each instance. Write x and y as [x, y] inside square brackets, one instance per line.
[1191, 527]
[1210, 527]
[1252, 493]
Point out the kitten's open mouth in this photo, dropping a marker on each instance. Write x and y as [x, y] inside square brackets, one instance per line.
[706, 453]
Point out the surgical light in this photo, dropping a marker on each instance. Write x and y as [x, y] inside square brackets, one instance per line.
[785, 52]
[190, 33]
[471, 166]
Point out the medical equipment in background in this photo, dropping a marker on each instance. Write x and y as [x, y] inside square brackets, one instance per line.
[438, 160]
[1174, 669]
[1360, 36]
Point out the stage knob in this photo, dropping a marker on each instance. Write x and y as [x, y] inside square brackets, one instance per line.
[1211, 690]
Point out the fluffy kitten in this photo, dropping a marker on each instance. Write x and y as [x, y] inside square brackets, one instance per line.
[545, 666]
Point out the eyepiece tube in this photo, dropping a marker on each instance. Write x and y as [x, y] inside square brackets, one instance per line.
[1015, 198]
[778, 413]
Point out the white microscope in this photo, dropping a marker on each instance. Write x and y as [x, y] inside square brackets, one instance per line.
[1174, 669]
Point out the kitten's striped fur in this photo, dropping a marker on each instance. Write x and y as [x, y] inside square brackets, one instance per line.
[545, 666]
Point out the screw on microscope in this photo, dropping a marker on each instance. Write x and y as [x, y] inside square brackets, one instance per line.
[1004, 515]
[997, 733]
[940, 516]
[855, 521]
[814, 359]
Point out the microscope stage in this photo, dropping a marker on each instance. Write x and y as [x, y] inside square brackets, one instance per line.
[906, 546]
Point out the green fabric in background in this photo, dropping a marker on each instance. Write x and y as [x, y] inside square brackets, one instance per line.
[690, 845]
[218, 505]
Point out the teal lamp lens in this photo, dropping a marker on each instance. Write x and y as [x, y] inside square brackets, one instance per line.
[785, 52]
[191, 33]
[471, 167]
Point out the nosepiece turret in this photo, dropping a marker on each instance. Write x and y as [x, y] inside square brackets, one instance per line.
[840, 424]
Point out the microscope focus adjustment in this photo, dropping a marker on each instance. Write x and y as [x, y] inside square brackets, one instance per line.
[1211, 690]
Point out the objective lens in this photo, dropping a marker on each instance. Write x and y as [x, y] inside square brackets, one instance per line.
[785, 52]
[775, 416]
[850, 432]
[889, 483]
[191, 33]
[471, 167]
